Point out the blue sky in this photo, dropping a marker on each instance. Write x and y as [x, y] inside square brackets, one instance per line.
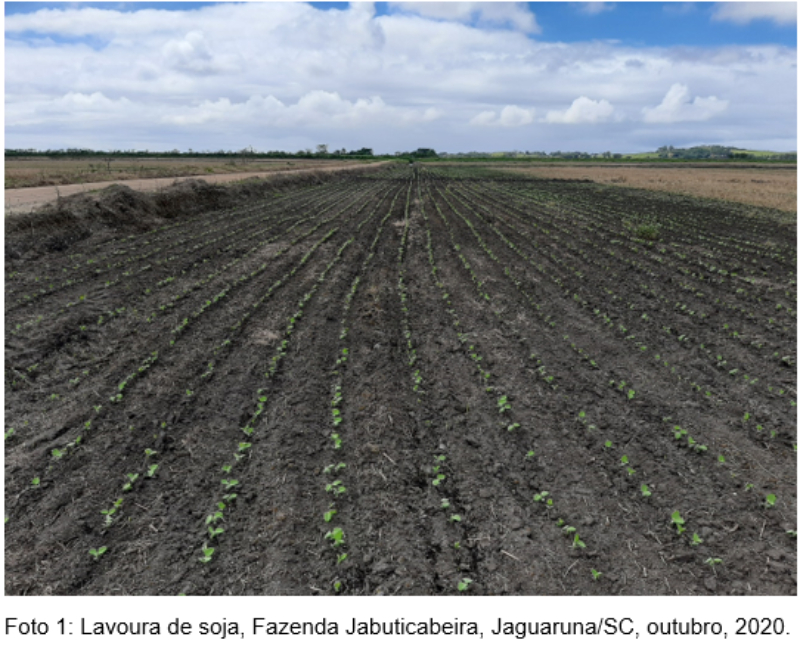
[635, 23]
[395, 76]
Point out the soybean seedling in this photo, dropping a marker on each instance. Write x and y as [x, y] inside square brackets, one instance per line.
[328, 515]
[336, 536]
[455, 518]
[529, 454]
[577, 543]
[678, 521]
[98, 552]
[445, 503]
[646, 493]
[608, 444]
[502, 404]
[696, 540]
[713, 562]
[770, 501]
[207, 554]
[336, 488]
[131, 479]
[596, 574]
[463, 585]
[151, 470]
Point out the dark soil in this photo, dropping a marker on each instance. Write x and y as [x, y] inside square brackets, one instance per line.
[466, 378]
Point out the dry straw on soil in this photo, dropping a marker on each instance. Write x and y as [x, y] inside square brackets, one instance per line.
[760, 186]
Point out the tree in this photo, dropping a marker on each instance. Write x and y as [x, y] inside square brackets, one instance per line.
[322, 149]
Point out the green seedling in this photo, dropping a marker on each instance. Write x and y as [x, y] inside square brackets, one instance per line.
[151, 470]
[749, 486]
[513, 427]
[463, 585]
[530, 454]
[227, 468]
[341, 558]
[336, 488]
[624, 460]
[502, 404]
[337, 440]
[213, 518]
[721, 459]
[212, 532]
[337, 586]
[132, 477]
[336, 536]
[713, 561]
[445, 503]
[678, 521]
[35, 482]
[328, 515]
[540, 496]
[439, 479]
[577, 543]
[334, 467]
[229, 483]
[680, 432]
[596, 574]
[57, 454]
[455, 518]
[631, 394]
[207, 554]
[149, 452]
[792, 533]
[98, 552]
[646, 493]
[608, 444]
[770, 501]
[696, 540]
[457, 545]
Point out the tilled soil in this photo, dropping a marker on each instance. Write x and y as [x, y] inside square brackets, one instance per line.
[410, 381]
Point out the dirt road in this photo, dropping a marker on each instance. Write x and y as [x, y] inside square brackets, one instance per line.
[29, 199]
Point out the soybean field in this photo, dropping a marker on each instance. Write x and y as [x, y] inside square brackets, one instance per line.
[413, 380]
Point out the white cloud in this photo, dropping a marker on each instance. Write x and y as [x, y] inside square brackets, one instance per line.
[582, 111]
[515, 14]
[678, 106]
[510, 116]
[743, 13]
[288, 75]
[594, 8]
[326, 109]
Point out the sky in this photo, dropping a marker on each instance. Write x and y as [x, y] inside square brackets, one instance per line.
[624, 77]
